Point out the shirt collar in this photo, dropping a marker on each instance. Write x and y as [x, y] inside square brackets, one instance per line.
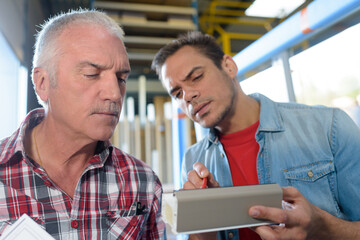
[104, 150]
[15, 142]
[270, 117]
[212, 138]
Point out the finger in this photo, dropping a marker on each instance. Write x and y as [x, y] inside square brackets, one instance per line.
[276, 215]
[266, 232]
[194, 178]
[212, 182]
[188, 185]
[201, 170]
[290, 194]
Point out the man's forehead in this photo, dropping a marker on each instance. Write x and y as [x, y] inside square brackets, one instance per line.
[124, 68]
[180, 73]
[165, 78]
[82, 32]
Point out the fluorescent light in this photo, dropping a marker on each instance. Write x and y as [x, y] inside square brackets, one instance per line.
[273, 8]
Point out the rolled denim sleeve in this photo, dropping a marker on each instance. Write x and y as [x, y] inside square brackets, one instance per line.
[345, 143]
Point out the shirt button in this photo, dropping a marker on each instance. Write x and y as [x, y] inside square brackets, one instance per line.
[133, 222]
[310, 174]
[231, 235]
[221, 155]
[47, 183]
[74, 224]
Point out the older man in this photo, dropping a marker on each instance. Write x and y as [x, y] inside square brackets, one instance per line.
[59, 166]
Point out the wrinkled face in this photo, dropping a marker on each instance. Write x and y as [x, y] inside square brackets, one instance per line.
[204, 92]
[91, 81]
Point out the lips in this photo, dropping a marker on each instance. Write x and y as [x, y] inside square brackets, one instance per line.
[112, 110]
[115, 114]
[199, 109]
[107, 114]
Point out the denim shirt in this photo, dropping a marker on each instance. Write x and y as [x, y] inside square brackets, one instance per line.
[313, 148]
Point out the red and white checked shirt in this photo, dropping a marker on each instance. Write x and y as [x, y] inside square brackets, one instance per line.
[117, 196]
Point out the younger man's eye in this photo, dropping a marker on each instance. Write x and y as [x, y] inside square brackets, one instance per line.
[177, 95]
[198, 76]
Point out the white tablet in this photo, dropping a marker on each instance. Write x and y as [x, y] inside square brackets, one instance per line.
[214, 209]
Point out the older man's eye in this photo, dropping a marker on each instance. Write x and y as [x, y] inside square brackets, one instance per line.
[121, 80]
[92, 75]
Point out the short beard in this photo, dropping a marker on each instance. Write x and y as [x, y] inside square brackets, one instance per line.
[227, 111]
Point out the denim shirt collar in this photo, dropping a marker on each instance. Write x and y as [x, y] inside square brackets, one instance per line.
[270, 119]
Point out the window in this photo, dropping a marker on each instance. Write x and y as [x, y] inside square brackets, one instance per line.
[270, 82]
[329, 74]
[13, 90]
[325, 74]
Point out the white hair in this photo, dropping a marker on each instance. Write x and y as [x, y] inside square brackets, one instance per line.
[46, 48]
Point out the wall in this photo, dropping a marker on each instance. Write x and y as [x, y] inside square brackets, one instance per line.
[18, 21]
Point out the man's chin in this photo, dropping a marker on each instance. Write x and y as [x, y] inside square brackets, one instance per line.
[205, 124]
[105, 135]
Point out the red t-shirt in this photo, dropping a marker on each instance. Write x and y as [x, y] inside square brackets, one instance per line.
[241, 150]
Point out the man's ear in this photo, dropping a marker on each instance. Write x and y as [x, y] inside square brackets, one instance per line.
[229, 66]
[42, 83]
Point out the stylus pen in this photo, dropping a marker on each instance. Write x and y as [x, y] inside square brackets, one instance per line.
[204, 183]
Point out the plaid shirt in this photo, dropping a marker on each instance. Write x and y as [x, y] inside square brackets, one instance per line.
[117, 196]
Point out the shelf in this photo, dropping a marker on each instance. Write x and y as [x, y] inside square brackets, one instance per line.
[157, 26]
[148, 8]
[134, 56]
[144, 41]
[149, 25]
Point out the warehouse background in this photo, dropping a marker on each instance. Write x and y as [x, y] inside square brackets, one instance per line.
[307, 69]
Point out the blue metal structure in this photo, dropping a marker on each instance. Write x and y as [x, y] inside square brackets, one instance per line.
[178, 141]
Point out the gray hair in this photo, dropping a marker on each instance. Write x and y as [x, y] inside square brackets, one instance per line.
[46, 49]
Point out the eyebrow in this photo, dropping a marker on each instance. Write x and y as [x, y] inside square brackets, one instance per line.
[101, 67]
[191, 72]
[186, 78]
[173, 90]
[87, 63]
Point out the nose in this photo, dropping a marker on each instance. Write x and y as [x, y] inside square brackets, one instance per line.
[190, 94]
[112, 89]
